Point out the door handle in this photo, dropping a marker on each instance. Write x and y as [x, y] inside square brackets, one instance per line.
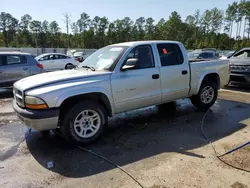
[155, 76]
[25, 68]
[184, 72]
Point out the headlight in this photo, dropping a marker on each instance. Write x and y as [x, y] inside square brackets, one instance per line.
[35, 103]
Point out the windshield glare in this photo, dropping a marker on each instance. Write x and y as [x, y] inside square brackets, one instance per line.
[78, 53]
[103, 58]
[39, 57]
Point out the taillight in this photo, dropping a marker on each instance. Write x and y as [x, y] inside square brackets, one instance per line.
[78, 59]
[40, 65]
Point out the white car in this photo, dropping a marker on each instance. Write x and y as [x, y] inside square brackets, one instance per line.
[56, 61]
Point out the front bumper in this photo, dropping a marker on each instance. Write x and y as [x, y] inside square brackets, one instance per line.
[241, 78]
[38, 119]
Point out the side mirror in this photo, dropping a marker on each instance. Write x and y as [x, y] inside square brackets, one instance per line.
[131, 63]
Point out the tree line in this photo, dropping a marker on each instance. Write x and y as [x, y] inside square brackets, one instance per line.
[221, 29]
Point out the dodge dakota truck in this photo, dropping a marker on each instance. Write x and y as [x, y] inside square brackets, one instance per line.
[114, 79]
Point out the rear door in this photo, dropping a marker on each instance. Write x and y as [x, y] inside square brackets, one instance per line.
[174, 72]
[16, 67]
[56, 62]
[64, 60]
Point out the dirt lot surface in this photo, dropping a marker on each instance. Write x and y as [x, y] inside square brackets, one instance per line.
[158, 148]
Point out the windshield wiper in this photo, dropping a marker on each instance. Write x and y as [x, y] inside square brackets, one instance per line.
[88, 67]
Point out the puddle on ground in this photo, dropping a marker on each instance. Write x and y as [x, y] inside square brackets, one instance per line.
[11, 138]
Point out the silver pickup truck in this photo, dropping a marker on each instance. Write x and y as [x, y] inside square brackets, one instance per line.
[115, 79]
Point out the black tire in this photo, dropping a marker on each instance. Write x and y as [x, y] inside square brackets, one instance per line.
[69, 64]
[45, 133]
[67, 123]
[197, 101]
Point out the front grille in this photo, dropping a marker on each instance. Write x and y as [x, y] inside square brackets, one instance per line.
[237, 78]
[18, 96]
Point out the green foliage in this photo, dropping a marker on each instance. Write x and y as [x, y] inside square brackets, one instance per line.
[197, 31]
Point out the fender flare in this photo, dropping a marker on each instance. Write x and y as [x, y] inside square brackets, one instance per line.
[203, 75]
[76, 92]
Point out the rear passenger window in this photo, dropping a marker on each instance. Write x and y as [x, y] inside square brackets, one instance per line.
[51, 57]
[15, 59]
[62, 57]
[170, 54]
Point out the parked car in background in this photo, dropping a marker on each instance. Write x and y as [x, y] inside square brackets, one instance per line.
[115, 79]
[240, 67]
[55, 61]
[227, 55]
[202, 55]
[210, 49]
[15, 66]
[80, 56]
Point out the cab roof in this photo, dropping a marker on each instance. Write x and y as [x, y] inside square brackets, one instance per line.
[135, 43]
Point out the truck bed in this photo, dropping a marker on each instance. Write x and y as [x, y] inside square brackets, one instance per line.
[199, 60]
[203, 67]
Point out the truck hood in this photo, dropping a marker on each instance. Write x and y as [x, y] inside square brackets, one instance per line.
[237, 61]
[56, 77]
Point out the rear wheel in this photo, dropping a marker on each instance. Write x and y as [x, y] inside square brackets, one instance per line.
[206, 97]
[84, 123]
[68, 65]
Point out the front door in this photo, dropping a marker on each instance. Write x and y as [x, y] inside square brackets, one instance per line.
[16, 67]
[53, 62]
[138, 87]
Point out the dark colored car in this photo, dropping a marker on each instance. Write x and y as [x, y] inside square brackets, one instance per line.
[240, 67]
[202, 55]
[15, 66]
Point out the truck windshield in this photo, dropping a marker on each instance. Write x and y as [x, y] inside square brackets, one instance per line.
[103, 58]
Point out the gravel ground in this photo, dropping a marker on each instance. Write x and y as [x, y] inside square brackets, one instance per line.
[159, 149]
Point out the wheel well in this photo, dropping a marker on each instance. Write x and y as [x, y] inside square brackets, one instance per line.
[214, 77]
[97, 97]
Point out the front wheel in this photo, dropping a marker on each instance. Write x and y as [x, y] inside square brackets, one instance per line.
[45, 133]
[84, 123]
[206, 97]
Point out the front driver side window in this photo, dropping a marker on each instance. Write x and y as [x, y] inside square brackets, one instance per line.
[144, 56]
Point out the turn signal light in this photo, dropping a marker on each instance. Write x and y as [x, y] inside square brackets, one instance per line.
[37, 106]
